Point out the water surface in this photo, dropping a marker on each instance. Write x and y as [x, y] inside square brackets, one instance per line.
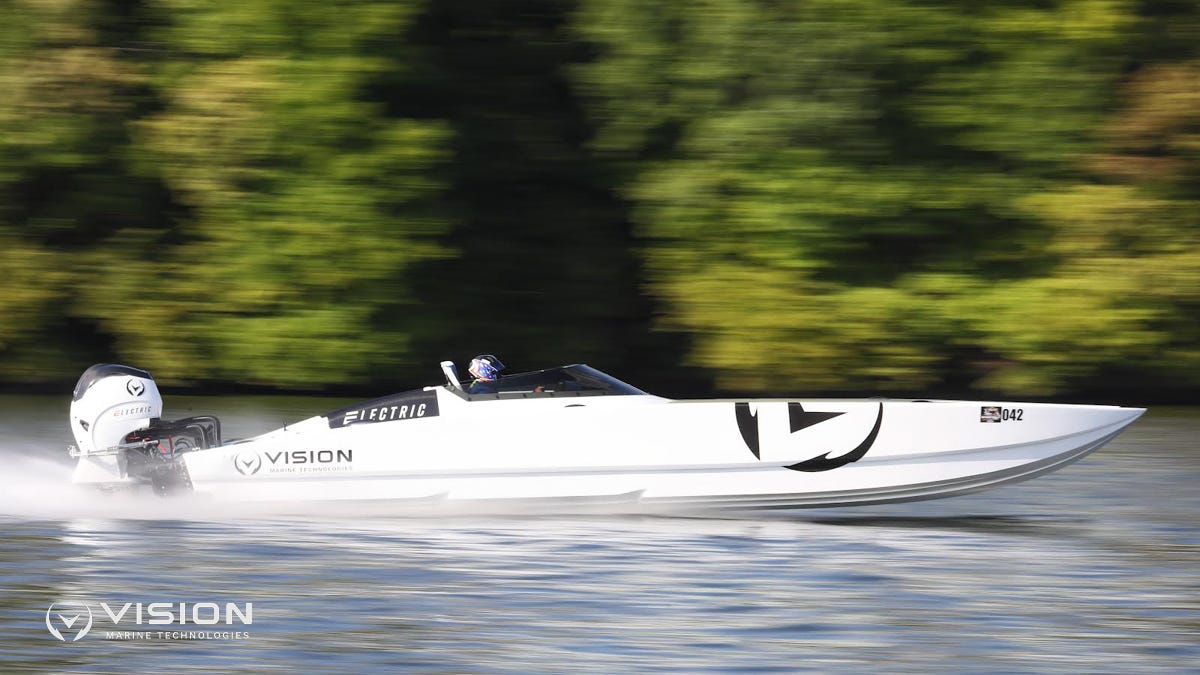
[1093, 568]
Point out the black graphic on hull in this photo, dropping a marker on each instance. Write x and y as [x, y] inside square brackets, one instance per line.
[823, 463]
[799, 419]
[747, 424]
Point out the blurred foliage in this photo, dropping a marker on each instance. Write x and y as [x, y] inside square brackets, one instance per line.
[869, 195]
[306, 206]
[835, 195]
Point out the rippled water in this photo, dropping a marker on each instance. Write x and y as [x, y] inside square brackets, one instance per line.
[1093, 569]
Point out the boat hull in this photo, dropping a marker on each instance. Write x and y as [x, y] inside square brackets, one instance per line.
[643, 453]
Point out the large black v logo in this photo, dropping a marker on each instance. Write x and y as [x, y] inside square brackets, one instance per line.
[823, 463]
[748, 425]
[798, 419]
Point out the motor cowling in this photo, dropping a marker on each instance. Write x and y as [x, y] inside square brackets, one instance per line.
[110, 401]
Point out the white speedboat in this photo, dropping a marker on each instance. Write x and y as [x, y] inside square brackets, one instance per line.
[580, 437]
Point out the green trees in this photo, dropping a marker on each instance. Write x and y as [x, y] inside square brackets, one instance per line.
[869, 195]
[306, 206]
[543, 269]
[296, 207]
[836, 195]
[66, 181]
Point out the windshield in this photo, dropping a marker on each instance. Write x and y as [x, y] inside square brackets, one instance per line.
[574, 380]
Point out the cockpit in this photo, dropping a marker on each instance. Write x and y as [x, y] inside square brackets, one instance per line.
[565, 381]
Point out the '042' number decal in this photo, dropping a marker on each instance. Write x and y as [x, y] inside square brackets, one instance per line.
[995, 413]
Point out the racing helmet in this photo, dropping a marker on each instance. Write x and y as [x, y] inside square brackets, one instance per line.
[485, 368]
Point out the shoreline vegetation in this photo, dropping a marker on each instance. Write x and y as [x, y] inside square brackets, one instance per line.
[842, 197]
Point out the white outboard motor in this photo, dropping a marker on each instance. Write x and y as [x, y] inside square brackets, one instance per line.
[110, 402]
[122, 440]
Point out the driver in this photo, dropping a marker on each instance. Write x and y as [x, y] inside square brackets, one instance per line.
[486, 371]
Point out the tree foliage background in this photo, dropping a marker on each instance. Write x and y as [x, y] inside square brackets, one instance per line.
[835, 195]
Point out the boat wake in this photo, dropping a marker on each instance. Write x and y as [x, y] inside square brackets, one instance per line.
[36, 487]
[39, 488]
